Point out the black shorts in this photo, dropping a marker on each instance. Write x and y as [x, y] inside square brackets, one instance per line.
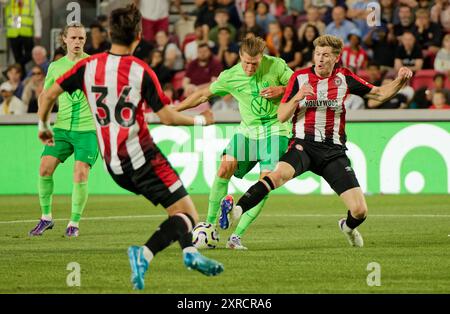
[156, 180]
[324, 159]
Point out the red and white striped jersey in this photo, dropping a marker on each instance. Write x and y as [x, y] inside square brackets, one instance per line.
[118, 87]
[354, 59]
[321, 117]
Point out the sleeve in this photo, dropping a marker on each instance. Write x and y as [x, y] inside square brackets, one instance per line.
[291, 89]
[285, 72]
[220, 87]
[50, 77]
[73, 79]
[151, 91]
[356, 85]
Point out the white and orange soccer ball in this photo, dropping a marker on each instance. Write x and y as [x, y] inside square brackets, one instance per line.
[205, 236]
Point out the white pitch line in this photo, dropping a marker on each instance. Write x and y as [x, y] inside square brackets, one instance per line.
[268, 216]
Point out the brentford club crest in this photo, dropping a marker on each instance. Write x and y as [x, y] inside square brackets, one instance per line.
[337, 81]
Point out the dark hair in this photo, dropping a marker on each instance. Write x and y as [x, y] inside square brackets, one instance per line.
[295, 41]
[227, 29]
[97, 25]
[316, 31]
[125, 25]
[221, 10]
[441, 75]
[203, 45]
[15, 66]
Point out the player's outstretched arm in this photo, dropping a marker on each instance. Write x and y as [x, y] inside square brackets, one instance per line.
[46, 102]
[197, 98]
[169, 116]
[286, 110]
[383, 93]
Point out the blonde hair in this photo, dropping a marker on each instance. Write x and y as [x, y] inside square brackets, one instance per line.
[334, 42]
[253, 46]
[64, 32]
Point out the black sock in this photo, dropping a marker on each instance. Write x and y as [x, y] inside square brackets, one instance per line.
[352, 222]
[171, 230]
[255, 194]
[186, 239]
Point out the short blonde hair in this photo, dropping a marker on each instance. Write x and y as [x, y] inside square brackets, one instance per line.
[334, 42]
[253, 46]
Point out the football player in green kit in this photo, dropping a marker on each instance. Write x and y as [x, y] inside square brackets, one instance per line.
[74, 133]
[257, 83]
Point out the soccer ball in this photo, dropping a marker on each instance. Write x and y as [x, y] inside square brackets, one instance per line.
[205, 236]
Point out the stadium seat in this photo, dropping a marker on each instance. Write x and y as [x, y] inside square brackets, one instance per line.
[177, 80]
[422, 78]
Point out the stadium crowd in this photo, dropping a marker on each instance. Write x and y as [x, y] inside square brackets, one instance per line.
[205, 41]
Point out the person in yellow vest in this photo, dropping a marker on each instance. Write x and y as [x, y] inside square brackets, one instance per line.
[23, 25]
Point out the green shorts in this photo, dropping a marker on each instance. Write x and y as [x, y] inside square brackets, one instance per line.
[249, 152]
[82, 143]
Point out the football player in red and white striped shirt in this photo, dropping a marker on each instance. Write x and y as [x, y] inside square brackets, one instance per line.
[314, 99]
[118, 88]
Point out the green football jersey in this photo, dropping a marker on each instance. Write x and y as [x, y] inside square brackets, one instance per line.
[258, 114]
[74, 113]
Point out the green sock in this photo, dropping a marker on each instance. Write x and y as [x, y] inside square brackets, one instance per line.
[218, 191]
[248, 217]
[45, 194]
[79, 200]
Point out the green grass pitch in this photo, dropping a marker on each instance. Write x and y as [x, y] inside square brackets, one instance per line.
[294, 247]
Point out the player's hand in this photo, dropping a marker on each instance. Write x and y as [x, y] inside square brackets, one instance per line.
[209, 116]
[272, 92]
[46, 137]
[404, 73]
[305, 90]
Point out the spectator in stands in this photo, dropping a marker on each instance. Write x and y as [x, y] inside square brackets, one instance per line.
[250, 25]
[374, 74]
[439, 101]
[438, 86]
[340, 27]
[358, 14]
[222, 19]
[230, 6]
[273, 38]
[354, 56]
[155, 16]
[406, 20]
[440, 14]
[290, 48]
[408, 53]
[226, 51]
[428, 36]
[190, 50]
[307, 45]
[13, 75]
[98, 41]
[58, 53]
[33, 89]
[201, 71]
[312, 18]
[11, 104]
[442, 60]
[39, 57]
[387, 11]
[329, 5]
[263, 17]
[383, 43]
[157, 64]
[205, 12]
[143, 50]
[173, 58]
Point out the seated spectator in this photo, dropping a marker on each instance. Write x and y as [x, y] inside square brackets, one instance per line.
[387, 11]
[11, 104]
[374, 74]
[14, 74]
[326, 11]
[290, 48]
[58, 53]
[33, 89]
[439, 101]
[383, 43]
[399, 101]
[173, 58]
[157, 64]
[277, 8]
[263, 17]
[438, 86]
[312, 18]
[190, 50]
[428, 36]
[39, 57]
[230, 6]
[340, 27]
[143, 51]
[307, 44]
[406, 21]
[440, 14]
[442, 60]
[358, 13]
[408, 54]
[273, 38]
[97, 40]
[226, 51]
[250, 25]
[204, 13]
[354, 56]
[221, 17]
[201, 71]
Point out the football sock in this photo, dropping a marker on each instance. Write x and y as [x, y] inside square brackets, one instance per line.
[219, 190]
[255, 194]
[352, 222]
[79, 200]
[45, 195]
[148, 255]
[173, 229]
[248, 218]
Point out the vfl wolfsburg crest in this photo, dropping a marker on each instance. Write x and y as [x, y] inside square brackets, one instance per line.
[77, 96]
[261, 106]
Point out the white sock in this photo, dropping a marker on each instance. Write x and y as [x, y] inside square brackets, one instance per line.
[47, 217]
[72, 224]
[148, 255]
[346, 228]
[236, 213]
[190, 249]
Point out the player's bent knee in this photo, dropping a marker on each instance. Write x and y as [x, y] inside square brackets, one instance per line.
[227, 169]
[359, 210]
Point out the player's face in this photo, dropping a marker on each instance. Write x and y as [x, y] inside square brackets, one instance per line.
[250, 64]
[324, 60]
[75, 40]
